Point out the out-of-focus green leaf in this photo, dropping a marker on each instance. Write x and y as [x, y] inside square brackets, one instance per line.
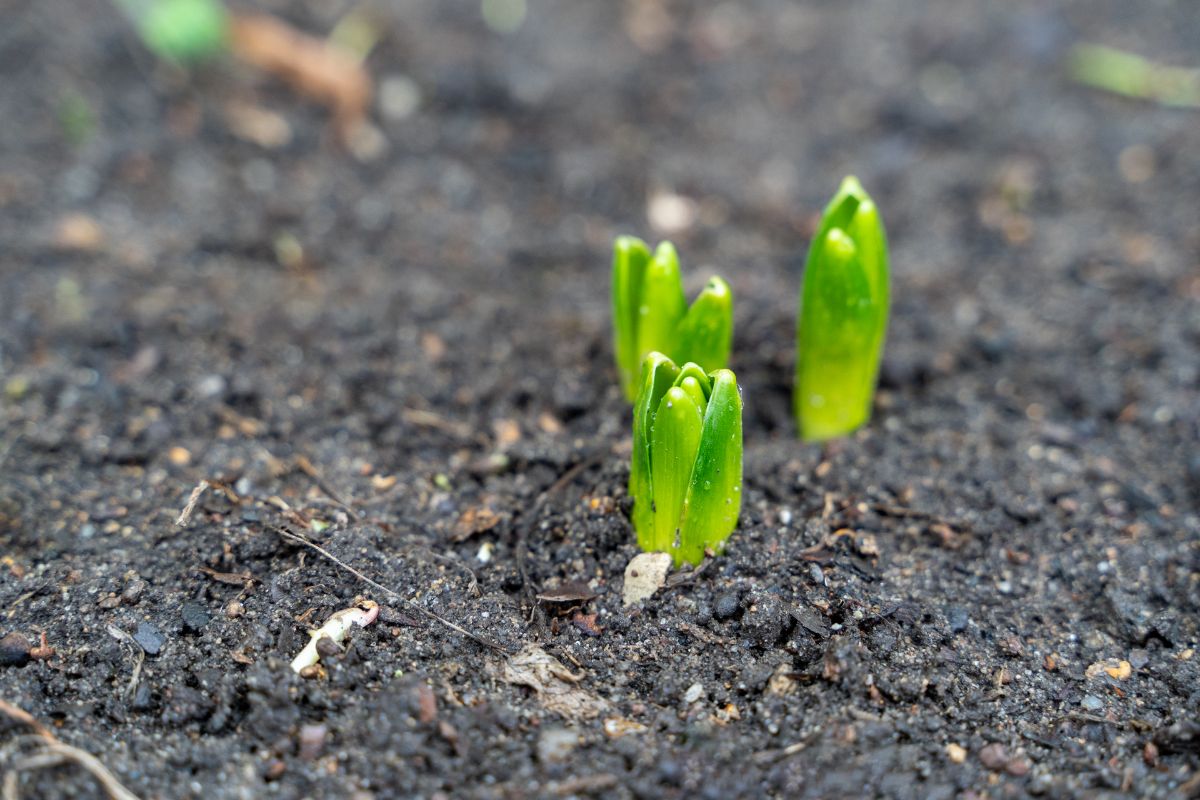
[630, 257]
[184, 30]
[1131, 75]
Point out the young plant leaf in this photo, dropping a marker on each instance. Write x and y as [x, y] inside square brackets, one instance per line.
[843, 317]
[673, 445]
[686, 473]
[650, 313]
[705, 334]
[698, 375]
[658, 374]
[663, 304]
[714, 497]
[691, 387]
[630, 257]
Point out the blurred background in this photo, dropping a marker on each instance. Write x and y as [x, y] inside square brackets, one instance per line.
[450, 170]
[285, 246]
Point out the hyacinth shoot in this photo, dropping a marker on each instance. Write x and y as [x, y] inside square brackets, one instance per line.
[651, 314]
[843, 317]
[686, 474]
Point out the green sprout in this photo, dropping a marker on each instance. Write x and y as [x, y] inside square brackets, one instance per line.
[843, 317]
[686, 475]
[650, 312]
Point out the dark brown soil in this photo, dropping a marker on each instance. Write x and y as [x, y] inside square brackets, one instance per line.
[936, 607]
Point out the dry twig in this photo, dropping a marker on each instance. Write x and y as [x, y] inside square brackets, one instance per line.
[530, 588]
[190, 508]
[296, 538]
[139, 657]
[54, 753]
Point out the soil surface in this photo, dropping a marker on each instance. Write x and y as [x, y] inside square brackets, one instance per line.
[402, 357]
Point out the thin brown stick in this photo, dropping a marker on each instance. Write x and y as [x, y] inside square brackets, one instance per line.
[54, 753]
[301, 540]
[427, 419]
[306, 466]
[453, 561]
[57, 754]
[529, 587]
[189, 509]
[24, 717]
[139, 657]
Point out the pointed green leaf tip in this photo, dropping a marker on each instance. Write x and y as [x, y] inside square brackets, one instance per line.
[843, 317]
[686, 472]
[650, 312]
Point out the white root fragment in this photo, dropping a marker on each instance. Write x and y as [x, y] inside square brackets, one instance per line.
[336, 628]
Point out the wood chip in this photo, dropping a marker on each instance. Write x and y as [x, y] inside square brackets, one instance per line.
[644, 576]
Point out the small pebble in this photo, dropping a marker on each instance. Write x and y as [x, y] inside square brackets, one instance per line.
[726, 605]
[556, 745]
[195, 616]
[312, 741]
[14, 650]
[149, 638]
[1138, 658]
[1092, 703]
[994, 756]
[1017, 767]
[133, 591]
[235, 609]
[694, 693]
[1012, 646]
[143, 700]
[327, 647]
[956, 753]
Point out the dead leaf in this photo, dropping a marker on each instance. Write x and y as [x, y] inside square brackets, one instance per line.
[554, 683]
[243, 579]
[818, 554]
[569, 592]
[586, 623]
[475, 520]
[314, 67]
[644, 576]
